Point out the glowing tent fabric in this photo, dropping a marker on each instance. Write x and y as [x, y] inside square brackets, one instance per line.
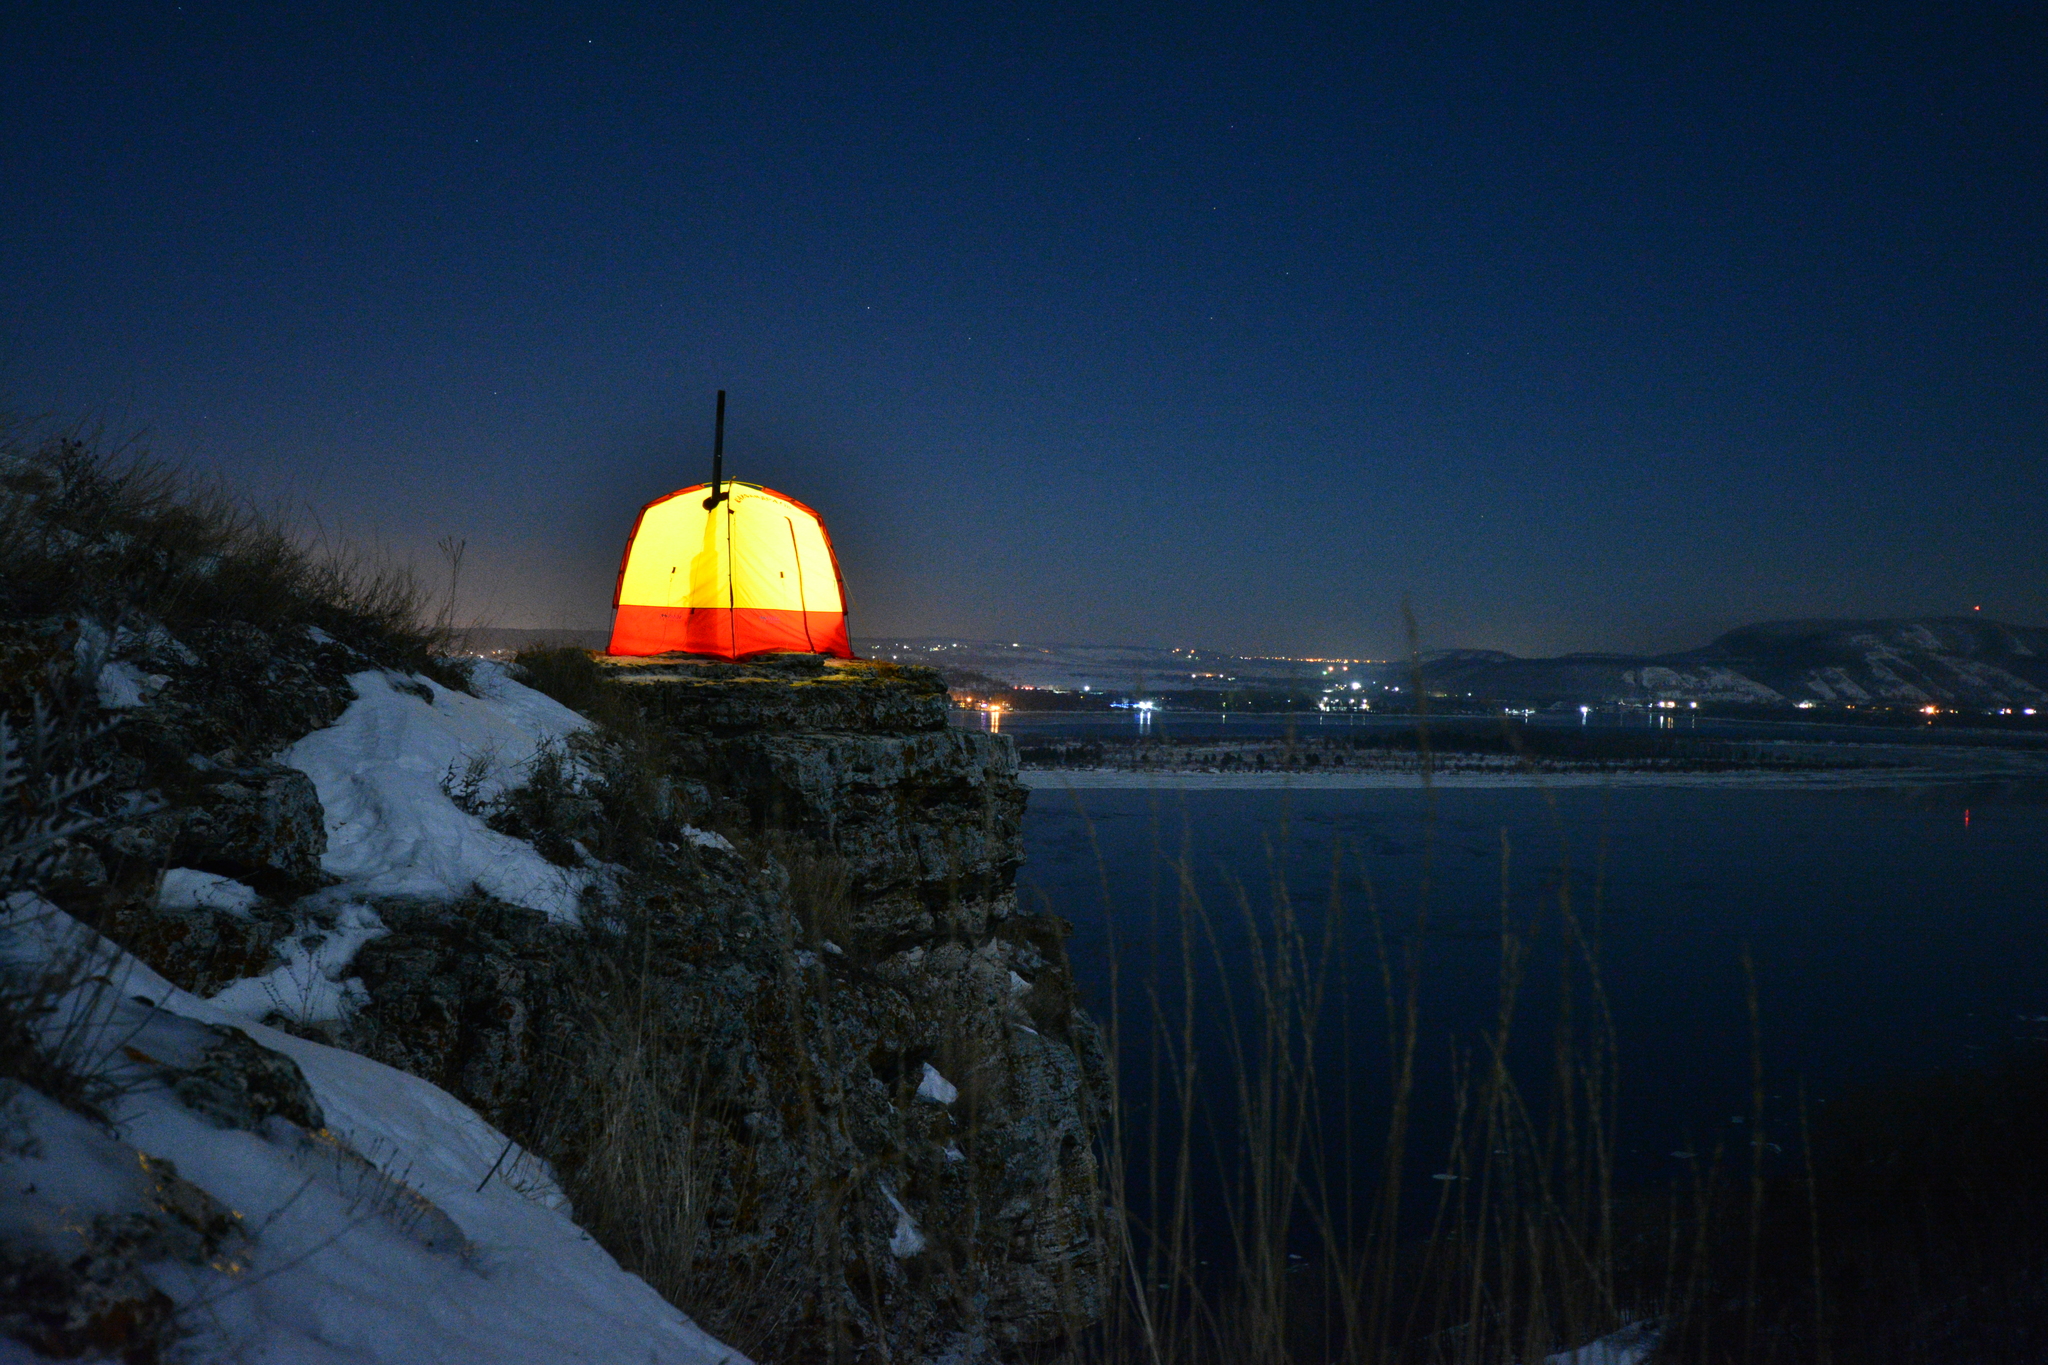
[754, 575]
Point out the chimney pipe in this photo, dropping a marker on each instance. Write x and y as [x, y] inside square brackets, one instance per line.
[717, 458]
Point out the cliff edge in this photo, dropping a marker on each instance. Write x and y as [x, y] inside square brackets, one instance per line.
[724, 962]
[878, 1092]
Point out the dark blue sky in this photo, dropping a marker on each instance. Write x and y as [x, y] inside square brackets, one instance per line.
[1581, 328]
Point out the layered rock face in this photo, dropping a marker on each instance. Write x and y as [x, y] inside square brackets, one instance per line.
[848, 1067]
[932, 978]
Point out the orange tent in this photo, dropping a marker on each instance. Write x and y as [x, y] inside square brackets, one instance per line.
[752, 574]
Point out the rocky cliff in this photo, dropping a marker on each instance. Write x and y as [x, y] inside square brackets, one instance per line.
[802, 1060]
[736, 948]
[878, 1094]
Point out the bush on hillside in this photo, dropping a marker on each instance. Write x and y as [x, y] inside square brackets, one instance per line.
[568, 674]
[89, 529]
[42, 781]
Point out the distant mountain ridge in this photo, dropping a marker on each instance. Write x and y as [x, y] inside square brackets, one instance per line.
[1955, 661]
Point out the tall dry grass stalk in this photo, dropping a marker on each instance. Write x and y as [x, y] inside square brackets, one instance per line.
[1275, 1226]
[1263, 1240]
[648, 1136]
[641, 1135]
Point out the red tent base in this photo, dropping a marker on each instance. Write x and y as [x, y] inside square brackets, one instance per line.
[727, 634]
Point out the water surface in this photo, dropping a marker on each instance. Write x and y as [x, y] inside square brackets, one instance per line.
[1891, 931]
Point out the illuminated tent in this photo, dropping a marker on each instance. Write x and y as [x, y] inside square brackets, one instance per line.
[752, 574]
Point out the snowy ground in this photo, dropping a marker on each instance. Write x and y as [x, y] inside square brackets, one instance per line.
[406, 1230]
[381, 771]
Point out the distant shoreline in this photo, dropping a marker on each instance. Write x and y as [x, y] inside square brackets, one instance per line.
[1127, 779]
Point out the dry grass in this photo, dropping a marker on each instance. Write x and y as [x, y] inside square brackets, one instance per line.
[1320, 1256]
[657, 1151]
[630, 1123]
[820, 890]
[1282, 1224]
[44, 779]
[99, 528]
[1271, 1238]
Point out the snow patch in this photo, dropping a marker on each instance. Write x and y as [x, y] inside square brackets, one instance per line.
[408, 1231]
[122, 686]
[391, 828]
[935, 1087]
[1920, 637]
[1720, 684]
[1833, 682]
[1631, 1345]
[186, 888]
[906, 1240]
[309, 986]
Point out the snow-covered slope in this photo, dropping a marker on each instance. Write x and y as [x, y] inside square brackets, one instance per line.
[403, 1229]
[383, 773]
[380, 772]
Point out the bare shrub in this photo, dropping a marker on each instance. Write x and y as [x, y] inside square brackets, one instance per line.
[42, 782]
[626, 763]
[556, 809]
[568, 674]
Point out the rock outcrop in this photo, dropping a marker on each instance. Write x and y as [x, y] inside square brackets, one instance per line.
[817, 1075]
[797, 1054]
[805, 1064]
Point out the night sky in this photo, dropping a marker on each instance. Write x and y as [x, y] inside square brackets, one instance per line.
[1580, 328]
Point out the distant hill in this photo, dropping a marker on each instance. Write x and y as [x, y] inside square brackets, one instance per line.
[1949, 661]
[1952, 661]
